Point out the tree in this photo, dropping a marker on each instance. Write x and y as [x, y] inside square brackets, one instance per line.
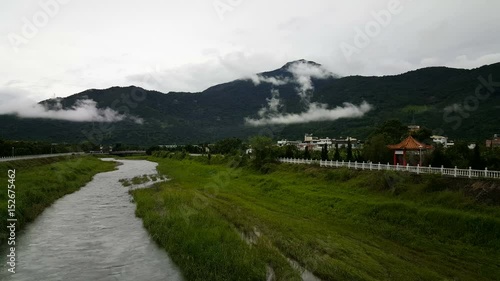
[324, 152]
[336, 156]
[459, 155]
[349, 150]
[307, 154]
[263, 152]
[476, 162]
[392, 130]
[375, 149]
[438, 158]
[227, 146]
[290, 151]
[118, 147]
[150, 150]
[492, 158]
[358, 156]
[423, 135]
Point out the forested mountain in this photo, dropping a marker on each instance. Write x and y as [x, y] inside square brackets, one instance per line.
[437, 97]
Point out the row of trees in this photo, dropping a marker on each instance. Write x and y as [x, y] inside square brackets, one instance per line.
[19, 148]
[225, 146]
[337, 153]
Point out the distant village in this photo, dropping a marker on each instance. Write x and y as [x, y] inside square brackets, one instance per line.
[314, 143]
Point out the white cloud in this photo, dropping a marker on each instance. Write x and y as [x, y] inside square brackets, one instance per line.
[275, 81]
[303, 72]
[84, 110]
[316, 112]
[196, 50]
[218, 68]
[273, 105]
[464, 61]
[432, 61]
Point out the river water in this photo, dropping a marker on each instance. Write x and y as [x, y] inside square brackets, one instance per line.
[92, 234]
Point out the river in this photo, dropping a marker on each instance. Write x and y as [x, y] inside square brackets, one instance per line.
[92, 234]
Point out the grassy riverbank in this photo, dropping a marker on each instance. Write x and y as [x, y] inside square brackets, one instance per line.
[40, 182]
[338, 224]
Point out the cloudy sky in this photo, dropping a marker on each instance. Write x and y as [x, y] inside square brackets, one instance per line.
[61, 47]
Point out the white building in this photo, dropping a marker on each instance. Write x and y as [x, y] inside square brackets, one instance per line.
[443, 141]
[439, 139]
[287, 142]
[315, 143]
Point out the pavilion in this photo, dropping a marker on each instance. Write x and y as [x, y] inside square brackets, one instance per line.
[408, 145]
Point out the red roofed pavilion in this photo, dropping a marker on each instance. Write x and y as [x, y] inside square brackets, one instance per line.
[409, 144]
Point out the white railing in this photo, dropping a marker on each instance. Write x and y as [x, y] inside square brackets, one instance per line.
[453, 172]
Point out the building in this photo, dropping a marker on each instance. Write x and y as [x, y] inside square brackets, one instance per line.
[169, 146]
[494, 142]
[443, 141]
[344, 142]
[413, 128]
[315, 143]
[405, 150]
[440, 139]
[287, 142]
[308, 138]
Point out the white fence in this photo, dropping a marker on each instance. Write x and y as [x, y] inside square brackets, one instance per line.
[453, 172]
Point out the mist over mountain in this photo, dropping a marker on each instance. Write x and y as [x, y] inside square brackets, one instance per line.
[300, 97]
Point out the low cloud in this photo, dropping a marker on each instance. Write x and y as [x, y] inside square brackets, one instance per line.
[316, 112]
[275, 81]
[303, 73]
[84, 110]
[273, 105]
[464, 61]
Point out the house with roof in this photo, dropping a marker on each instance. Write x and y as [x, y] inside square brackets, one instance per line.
[409, 147]
[494, 142]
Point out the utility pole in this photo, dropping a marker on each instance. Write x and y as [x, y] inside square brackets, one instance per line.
[420, 155]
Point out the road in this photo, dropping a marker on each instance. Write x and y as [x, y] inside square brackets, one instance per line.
[26, 157]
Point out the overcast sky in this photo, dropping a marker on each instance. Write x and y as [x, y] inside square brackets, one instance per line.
[61, 47]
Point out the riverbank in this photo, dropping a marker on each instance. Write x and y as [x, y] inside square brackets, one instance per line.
[223, 223]
[40, 182]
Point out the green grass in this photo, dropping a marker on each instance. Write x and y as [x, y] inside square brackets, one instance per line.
[338, 224]
[40, 182]
[142, 179]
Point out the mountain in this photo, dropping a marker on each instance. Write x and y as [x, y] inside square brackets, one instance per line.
[436, 97]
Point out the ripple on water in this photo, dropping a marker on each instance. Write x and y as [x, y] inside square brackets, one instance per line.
[92, 234]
